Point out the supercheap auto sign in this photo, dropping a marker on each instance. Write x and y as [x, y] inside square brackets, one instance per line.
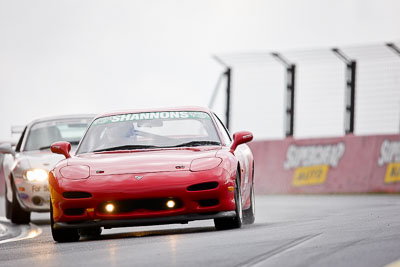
[390, 155]
[312, 162]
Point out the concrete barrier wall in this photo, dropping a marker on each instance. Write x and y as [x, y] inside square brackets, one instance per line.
[349, 164]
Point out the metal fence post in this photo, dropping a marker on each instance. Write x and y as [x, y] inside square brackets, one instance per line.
[351, 67]
[228, 75]
[290, 93]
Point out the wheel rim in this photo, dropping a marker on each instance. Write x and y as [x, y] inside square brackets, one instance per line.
[253, 201]
[6, 193]
[238, 198]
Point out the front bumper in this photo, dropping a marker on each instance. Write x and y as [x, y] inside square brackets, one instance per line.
[124, 187]
[32, 196]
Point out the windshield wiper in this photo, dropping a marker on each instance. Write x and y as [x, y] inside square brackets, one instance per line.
[44, 147]
[126, 147]
[199, 143]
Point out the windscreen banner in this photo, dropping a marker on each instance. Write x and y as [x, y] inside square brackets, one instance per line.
[349, 164]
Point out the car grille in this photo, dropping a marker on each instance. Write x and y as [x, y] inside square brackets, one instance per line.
[131, 205]
[72, 212]
[208, 202]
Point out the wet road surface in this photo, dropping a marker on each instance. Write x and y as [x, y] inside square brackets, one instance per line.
[332, 230]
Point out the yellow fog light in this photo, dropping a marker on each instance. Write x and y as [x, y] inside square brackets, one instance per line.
[231, 188]
[170, 204]
[110, 207]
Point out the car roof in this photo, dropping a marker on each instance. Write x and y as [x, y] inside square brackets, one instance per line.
[63, 117]
[183, 108]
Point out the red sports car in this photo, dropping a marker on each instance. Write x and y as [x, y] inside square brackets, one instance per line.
[150, 167]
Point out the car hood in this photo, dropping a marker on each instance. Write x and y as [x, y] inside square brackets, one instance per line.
[39, 159]
[142, 161]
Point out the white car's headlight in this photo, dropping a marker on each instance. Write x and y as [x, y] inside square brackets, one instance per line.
[37, 175]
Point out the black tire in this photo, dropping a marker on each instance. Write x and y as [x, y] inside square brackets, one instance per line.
[17, 214]
[7, 204]
[249, 215]
[234, 222]
[62, 235]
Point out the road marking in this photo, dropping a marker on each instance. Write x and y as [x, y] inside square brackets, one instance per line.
[3, 230]
[393, 264]
[27, 231]
[260, 259]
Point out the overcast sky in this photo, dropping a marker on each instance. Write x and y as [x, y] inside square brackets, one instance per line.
[67, 57]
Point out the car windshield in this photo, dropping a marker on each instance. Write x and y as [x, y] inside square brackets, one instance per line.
[43, 134]
[149, 130]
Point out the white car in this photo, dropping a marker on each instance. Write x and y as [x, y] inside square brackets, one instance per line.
[26, 168]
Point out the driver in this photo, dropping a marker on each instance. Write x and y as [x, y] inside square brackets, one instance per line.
[120, 134]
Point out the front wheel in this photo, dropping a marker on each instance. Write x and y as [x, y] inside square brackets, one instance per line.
[62, 235]
[235, 222]
[16, 213]
[7, 204]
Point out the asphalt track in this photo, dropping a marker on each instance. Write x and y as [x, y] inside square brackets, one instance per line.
[332, 230]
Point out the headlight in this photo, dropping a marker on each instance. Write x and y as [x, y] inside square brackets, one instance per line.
[37, 175]
[204, 164]
[75, 172]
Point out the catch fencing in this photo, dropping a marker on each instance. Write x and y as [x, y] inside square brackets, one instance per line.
[255, 91]
[324, 120]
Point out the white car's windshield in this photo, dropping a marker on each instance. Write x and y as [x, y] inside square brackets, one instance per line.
[149, 130]
[43, 134]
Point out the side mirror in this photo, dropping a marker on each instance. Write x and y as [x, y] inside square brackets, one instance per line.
[62, 148]
[6, 148]
[241, 138]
